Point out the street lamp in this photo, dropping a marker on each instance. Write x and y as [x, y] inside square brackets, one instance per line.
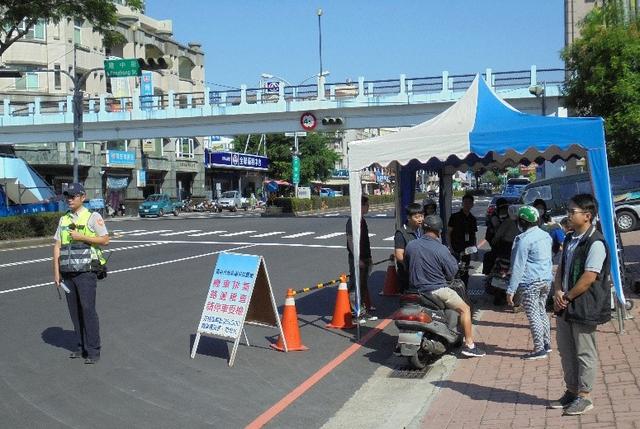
[540, 91]
[320, 41]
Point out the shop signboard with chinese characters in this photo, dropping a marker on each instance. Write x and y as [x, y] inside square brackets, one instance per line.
[121, 158]
[237, 160]
[239, 293]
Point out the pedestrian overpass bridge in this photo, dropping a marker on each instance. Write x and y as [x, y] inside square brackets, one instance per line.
[366, 104]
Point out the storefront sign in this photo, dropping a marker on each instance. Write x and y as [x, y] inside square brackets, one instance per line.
[116, 182]
[239, 292]
[243, 161]
[141, 178]
[304, 192]
[342, 173]
[148, 146]
[121, 158]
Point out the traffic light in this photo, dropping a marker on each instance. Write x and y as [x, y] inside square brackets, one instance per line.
[160, 63]
[332, 121]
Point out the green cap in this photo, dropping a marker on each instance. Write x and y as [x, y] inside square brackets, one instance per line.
[529, 214]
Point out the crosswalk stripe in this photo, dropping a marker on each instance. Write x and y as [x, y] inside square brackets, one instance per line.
[233, 234]
[181, 232]
[131, 232]
[389, 238]
[267, 234]
[301, 234]
[137, 234]
[371, 234]
[333, 234]
[200, 234]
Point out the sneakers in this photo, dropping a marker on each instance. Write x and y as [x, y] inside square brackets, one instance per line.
[91, 361]
[472, 352]
[541, 354]
[579, 406]
[547, 348]
[77, 354]
[566, 400]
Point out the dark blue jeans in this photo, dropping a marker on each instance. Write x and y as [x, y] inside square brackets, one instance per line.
[82, 309]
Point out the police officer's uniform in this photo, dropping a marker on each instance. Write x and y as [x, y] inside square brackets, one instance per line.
[78, 264]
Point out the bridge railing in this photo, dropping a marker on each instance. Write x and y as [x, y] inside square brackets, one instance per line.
[403, 86]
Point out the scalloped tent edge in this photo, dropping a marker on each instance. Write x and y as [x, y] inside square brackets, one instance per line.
[481, 130]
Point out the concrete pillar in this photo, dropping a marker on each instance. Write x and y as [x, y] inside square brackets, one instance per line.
[36, 107]
[534, 76]
[403, 84]
[489, 77]
[207, 96]
[445, 81]
[243, 94]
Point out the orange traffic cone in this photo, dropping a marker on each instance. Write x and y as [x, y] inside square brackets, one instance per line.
[290, 327]
[391, 287]
[342, 318]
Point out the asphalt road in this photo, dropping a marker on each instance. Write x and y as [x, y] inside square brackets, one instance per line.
[149, 308]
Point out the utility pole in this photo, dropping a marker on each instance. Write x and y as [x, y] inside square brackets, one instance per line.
[77, 116]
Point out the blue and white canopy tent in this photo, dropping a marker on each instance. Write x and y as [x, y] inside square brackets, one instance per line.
[481, 130]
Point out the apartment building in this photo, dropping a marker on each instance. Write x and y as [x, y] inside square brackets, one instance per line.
[120, 170]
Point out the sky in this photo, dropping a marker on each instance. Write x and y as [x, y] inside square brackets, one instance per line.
[377, 39]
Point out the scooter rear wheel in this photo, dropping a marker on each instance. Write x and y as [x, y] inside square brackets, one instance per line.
[420, 360]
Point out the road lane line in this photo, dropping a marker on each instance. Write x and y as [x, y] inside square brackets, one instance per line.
[140, 267]
[267, 234]
[240, 243]
[200, 234]
[389, 238]
[233, 234]
[180, 232]
[32, 261]
[300, 234]
[333, 234]
[296, 393]
[131, 232]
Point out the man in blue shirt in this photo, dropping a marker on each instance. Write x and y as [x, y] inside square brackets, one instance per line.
[531, 273]
[431, 266]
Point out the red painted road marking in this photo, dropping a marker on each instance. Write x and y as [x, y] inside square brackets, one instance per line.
[292, 396]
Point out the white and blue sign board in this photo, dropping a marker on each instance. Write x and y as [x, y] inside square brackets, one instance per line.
[121, 158]
[146, 90]
[239, 293]
[236, 160]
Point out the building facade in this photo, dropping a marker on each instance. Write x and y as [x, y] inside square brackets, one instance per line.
[119, 171]
[574, 13]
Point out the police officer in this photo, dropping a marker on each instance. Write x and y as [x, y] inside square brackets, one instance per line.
[76, 260]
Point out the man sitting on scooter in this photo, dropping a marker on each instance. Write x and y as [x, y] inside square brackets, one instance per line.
[431, 266]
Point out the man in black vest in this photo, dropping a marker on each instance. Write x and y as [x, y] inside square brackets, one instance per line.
[408, 232]
[581, 302]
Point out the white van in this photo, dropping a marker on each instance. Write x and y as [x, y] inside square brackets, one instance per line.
[230, 200]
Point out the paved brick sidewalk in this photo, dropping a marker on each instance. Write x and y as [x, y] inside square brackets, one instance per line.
[501, 390]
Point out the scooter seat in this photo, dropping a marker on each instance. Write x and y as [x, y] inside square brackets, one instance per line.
[425, 299]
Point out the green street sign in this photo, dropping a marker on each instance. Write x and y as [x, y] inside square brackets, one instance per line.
[295, 170]
[126, 67]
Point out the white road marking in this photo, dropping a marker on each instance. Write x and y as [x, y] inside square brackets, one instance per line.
[33, 261]
[35, 246]
[180, 232]
[150, 232]
[389, 238]
[139, 267]
[371, 234]
[267, 234]
[131, 232]
[200, 234]
[331, 214]
[333, 234]
[300, 234]
[240, 243]
[233, 234]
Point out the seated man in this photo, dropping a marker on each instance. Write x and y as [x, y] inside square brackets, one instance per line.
[431, 266]
[409, 232]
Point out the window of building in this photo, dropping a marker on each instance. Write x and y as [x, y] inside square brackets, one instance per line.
[117, 145]
[184, 148]
[36, 32]
[28, 81]
[77, 31]
[57, 77]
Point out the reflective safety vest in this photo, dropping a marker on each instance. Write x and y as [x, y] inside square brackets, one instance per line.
[78, 257]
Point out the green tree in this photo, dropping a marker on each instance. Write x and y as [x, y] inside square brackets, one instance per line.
[491, 177]
[317, 160]
[100, 13]
[605, 77]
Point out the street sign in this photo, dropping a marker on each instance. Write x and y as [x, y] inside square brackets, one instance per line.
[125, 67]
[239, 293]
[297, 133]
[295, 170]
[308, 121]
[272, 86]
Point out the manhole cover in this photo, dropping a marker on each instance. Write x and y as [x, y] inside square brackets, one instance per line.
[406, 372]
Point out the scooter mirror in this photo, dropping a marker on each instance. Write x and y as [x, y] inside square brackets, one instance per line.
[470, 250]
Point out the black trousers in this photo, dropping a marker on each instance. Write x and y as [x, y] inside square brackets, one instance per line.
[82, 309]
